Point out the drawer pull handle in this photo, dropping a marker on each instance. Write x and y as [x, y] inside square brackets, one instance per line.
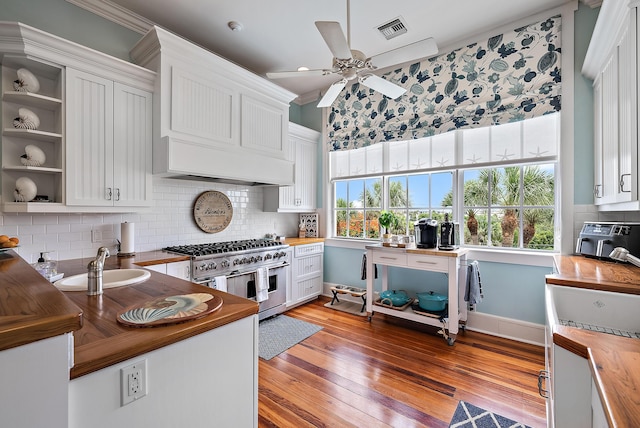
[426, 263]
[542, 376]
[389, 258]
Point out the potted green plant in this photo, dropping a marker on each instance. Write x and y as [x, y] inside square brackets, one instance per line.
[386, 219]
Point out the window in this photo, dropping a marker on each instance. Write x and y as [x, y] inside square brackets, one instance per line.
[510, 207]
[499, 184]
[357, 205]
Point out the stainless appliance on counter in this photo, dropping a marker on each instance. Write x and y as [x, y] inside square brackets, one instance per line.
[600, 239]
[238, 262]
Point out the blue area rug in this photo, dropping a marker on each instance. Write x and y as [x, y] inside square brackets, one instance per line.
[280, 333]
[470, 416]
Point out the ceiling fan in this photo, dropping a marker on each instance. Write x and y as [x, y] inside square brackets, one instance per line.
[350, 63]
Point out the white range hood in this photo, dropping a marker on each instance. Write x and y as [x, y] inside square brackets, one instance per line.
[214, 120]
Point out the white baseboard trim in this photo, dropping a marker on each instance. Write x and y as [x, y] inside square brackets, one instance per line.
[508, 328]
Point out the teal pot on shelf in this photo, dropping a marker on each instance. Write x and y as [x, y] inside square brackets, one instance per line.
[395, 297]
[431, 301]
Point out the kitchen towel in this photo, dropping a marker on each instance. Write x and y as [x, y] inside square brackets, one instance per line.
[221, 283]
[473, 291]
[363, 269]
[262, 284]
[127, 244]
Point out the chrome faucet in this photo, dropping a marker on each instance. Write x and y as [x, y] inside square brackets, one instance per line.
[94, 274]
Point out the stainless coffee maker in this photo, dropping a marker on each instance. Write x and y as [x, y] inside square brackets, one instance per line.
[449, 235]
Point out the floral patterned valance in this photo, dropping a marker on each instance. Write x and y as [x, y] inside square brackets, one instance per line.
[507, 78]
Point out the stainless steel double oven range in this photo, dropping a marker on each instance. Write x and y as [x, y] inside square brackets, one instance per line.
[238, 262]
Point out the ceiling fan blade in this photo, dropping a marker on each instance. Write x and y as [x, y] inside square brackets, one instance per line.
[381, 85]
[297, 73]
[421, 49]
[334, 38]
[332, 93]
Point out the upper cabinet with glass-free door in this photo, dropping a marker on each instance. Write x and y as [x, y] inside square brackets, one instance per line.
[109, 142]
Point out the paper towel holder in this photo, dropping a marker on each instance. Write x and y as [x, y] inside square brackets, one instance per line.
[124, 254]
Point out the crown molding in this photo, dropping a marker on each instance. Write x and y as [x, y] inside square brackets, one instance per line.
[605, 35]
[116, 13]
[307, 98]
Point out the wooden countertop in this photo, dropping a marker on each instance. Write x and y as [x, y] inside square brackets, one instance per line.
[302, 241]
[102, 341]
[614, 360]
[425, 251]
[584, 272]
[31, 308]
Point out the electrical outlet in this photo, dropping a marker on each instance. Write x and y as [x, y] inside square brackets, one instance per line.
[133, 382]
[96, 236]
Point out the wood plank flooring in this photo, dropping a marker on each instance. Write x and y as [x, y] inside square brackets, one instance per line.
[385, 373]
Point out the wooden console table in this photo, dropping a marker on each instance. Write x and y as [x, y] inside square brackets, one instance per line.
[452, 263]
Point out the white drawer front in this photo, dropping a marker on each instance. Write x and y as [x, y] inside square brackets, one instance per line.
[304, 250]
[433, 263]
[390, 258]
[309, 265]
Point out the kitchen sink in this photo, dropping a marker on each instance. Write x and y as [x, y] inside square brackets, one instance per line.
[594, 310]
[110, 279]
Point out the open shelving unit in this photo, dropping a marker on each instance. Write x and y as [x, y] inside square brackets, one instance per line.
[48, 105]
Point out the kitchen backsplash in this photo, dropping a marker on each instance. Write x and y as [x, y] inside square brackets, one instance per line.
[169, 222]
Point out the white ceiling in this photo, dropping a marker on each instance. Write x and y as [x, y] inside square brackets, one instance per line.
[280, 35]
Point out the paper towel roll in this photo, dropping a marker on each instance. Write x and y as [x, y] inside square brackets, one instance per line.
[127, 238]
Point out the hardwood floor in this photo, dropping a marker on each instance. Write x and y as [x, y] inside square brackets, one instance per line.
[379, 374]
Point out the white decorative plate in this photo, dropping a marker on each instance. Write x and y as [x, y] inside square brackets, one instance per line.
[33, 156]
[26, 119]
[25, 190]
[26, 82]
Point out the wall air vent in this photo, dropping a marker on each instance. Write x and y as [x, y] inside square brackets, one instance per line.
[393, 28]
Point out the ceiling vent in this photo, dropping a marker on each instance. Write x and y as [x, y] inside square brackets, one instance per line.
[393, 28]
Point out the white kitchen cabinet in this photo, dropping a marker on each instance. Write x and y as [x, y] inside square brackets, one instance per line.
[614, 71]
[180, 270]
[108, 142]
[214, 120]
[47, 104]
[210, 379]
[307, 273]
[76, 137]
[301, 197]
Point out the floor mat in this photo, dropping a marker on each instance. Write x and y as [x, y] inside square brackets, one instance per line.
[277, 334]
[346, 306]
[470, 416]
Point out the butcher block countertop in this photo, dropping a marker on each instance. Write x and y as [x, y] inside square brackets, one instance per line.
[301, 241]
[31, 308]
[100, 341]
[614, 360]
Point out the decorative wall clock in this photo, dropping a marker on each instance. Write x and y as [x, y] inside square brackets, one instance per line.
[212, 211]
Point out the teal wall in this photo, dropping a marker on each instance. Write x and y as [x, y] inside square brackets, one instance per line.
[70, 22]
[583, 119]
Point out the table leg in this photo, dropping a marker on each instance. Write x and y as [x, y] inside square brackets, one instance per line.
[364, 302]
[335, 297]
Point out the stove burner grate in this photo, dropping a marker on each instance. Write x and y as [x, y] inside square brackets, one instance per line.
[222, 247]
